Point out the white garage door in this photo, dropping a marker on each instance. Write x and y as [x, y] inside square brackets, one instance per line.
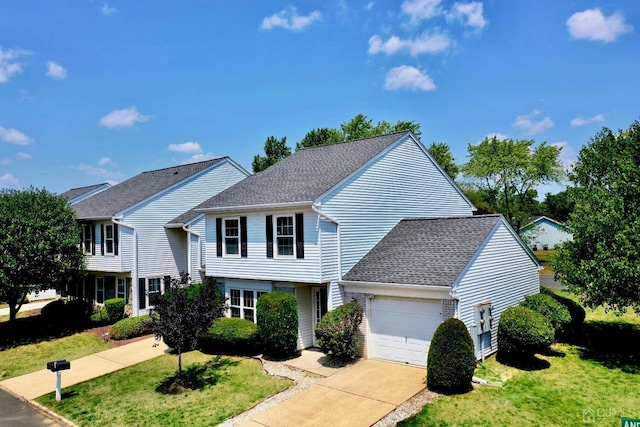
[401, 329]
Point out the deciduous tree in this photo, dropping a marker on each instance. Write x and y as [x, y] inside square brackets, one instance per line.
[275, 150]
[441, 152]
[39, 244]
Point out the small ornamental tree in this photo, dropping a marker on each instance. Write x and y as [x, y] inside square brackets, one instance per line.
[336, 333]
[183, 312]
[451, 360]
[277, 314]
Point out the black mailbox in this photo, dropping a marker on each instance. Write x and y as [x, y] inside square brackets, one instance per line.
[58, 365]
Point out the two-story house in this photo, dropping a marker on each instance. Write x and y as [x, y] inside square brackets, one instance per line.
[129, 251]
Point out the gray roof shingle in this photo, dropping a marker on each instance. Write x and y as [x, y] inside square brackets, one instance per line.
[424, 251]
[134, 190]
[303, 176]
[77, 192]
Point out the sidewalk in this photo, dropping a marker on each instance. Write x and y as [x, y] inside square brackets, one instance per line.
[26, 307]
[37, 383]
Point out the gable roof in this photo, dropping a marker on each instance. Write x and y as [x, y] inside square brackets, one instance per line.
[134, 190]
[541, 218]
[303, 176]
[74, 193]
[425, 251]
[184, 218]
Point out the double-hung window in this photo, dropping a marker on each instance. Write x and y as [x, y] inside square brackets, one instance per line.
[87, 238]
[232, 236]
[109, 240]
[121, 289]
[243, 303]
[285, 236]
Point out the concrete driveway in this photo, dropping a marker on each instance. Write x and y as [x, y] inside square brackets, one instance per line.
[358, 395]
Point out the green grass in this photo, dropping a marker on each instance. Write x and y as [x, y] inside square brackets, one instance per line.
[20, 315]
[595, 380]
[128, 397]
[33, 357]
[545, 258]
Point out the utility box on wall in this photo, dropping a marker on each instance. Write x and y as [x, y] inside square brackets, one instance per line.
[484, 318]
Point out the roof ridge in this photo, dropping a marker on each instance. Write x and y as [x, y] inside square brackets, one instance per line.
[183, 165]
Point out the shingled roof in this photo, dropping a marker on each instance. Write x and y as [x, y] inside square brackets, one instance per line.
[134, 190]
[424, 251]
[80, 191]
[303, 176]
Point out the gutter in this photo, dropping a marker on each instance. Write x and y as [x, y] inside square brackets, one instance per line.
[337, 223]
[256, 207]
[134, 286]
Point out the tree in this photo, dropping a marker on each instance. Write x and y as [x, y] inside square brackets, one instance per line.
[320, 136]
[441, 152]
[39, 244]
[275, 150]
[558, 206]
[508, 171]
[183, 312]
[362, 127]
[602, 263]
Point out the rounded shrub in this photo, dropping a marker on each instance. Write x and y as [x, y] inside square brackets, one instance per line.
[451, 360]
[576, 311]
[231, 335]
[115, 309]
[131, 328]
[277, 314]
[337, 333]
[53, 314]
[556, 313]
[522, 331]
[77, 312]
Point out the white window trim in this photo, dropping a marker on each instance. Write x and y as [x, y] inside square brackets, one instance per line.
[275, 236]
[242, 307]
[111, 239]
[224, 237]
[124, 283]
[148, 289]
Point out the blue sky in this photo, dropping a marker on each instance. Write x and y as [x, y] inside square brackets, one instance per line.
[95, 91]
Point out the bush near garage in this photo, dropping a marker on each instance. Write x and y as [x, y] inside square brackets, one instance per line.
[576, 312]
[451, 360]
[556, 313]
[130, 328]
[277, 314]
[522, 332]
[231, 335]
[337, 331]
[115, 309]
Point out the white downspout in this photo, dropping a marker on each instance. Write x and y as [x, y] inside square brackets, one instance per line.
[337, 223]
[189, 233]
[134, 273]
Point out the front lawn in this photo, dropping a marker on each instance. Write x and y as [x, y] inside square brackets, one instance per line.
[595, 380]
[129, 398]
[33, 357]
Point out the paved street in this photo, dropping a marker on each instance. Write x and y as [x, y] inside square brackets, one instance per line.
[548, 281]
[17, 413]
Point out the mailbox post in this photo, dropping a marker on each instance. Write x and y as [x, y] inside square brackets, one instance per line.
[58, 366]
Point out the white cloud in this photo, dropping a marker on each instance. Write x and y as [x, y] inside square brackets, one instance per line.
[580, 121]
[369, 5]
[105, 161]
[592, 25]
[567, 154]
[108, 10]
[470, 14]
[429, 42]
[56, 70]
[13, 136]
[5, 162]
[290, 20]
[124, 118]
[186, 147]
[22, 156]
[408, 77]
[10, 63]
[8, 181]
[199, 158]
[531, 124]
[98, 171]
[421, 9]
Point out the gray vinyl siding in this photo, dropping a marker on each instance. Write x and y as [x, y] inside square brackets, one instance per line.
[197, 249]
[126, 248]
[106, 263]
[305, 317]
[329, 250]
[256, 265]
[336, 295]
[545, 233]
[403, 183]
[502, 273]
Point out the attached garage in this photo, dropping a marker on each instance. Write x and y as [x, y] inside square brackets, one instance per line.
[401, 328]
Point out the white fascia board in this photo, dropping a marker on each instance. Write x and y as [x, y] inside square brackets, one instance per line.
[397, 289]
[266, 207]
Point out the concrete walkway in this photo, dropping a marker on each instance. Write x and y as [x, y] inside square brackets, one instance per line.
[358, 395]
[37, 383]
[26, 307]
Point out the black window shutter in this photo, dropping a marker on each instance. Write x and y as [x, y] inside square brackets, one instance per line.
[101, 239]
[167, 282]
[299, 235]
[93, 239]
[243, 236]
[269, 225]
[218, 237]
[115, 239]
[142, 301]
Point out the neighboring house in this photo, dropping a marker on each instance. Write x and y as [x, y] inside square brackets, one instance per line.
[76, 195]
[129, 251]
[303, 223]
[427, 270]
[545, 233]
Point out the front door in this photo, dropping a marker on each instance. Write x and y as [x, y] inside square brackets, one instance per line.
[320, 303]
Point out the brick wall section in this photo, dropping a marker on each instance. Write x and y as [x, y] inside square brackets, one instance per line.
[448, 309]
[362, 331]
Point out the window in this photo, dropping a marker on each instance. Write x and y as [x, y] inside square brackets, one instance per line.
[154, 290]
[121, 289]
[109, 240]
[232, 236]
[87, 238]
[243, 303]
[285, 235]
[100, 290]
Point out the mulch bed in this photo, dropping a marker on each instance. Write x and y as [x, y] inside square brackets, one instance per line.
[102, 333]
